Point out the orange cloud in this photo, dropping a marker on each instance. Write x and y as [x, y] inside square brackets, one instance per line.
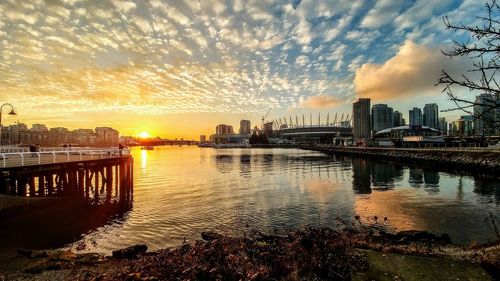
[320, 102]
[413, 70]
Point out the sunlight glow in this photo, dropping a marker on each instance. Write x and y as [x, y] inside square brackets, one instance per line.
[144, 135]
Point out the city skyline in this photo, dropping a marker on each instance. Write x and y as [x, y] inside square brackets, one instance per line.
[175, 69]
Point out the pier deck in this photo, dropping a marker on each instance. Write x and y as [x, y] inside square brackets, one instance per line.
[94, 175]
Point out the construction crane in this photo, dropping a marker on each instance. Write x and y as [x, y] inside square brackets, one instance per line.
[264, 118]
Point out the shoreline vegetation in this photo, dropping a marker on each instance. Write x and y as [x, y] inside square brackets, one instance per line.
[310, 253]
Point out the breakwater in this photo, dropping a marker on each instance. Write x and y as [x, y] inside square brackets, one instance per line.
[487, 161]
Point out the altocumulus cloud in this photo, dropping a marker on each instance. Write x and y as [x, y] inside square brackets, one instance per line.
[414, 70]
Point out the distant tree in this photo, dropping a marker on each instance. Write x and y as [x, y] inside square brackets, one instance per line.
[482, 48]
[254, 139]
[263, 139]
[258, 139]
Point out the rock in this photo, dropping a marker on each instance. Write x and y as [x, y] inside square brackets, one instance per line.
[89, 258]
[209, 236]
[130, 252]
[411, 236]
[134, 276]
[24, 252]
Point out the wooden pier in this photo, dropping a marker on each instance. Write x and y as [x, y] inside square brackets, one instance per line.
[94, 176]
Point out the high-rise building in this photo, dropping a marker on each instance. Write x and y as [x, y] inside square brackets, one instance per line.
[416, 117]
[468, 121]
[431, 115]
[245, 127]
[223, 129]
[443, 126]
[397, 119]
[361, 118]
[268, 128]
[485, 122]
[382, 117]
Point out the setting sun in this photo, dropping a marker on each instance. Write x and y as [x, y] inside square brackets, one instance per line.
[144, 135]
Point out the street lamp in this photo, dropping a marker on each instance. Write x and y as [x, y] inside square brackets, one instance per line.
[12, 112]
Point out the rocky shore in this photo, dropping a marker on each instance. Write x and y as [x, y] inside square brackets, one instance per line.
[484, 162]
[307, 254]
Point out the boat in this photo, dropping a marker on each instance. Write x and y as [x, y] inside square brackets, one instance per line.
[149, 147]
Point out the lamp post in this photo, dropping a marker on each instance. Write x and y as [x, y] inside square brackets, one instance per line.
[12, 112]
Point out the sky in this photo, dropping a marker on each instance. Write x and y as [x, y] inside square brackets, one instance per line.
[178, 68]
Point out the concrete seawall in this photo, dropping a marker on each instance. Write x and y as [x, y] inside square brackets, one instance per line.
[486, 162]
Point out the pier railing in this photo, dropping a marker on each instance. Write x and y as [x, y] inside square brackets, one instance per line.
[57, 155]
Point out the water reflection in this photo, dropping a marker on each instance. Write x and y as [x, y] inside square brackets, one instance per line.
[180, 192]
[361, 176]
[57, 222]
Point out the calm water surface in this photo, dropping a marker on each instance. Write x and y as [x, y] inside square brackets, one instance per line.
[181, 191]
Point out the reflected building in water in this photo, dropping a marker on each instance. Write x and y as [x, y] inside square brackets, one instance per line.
[384, 175]
[361, 176]
[431, 181]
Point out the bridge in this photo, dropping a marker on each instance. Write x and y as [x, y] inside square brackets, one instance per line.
[93, 175]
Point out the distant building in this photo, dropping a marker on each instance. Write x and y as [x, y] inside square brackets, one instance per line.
[39, 128]
[382, 117]
[361, 118]
[486, 119]
[106, 136]
[397, 119]
[416, 117]
[203, 138]
[268, 128]
[468, 124]
[443, 126]
[431, 115]
[224, 129]
[464, 126]
[245, 127]
[345, 124]
[43, 136]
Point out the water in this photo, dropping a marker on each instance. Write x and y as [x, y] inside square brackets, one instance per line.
[181, 191]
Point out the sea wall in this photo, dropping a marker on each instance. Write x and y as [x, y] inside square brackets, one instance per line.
[487, 162]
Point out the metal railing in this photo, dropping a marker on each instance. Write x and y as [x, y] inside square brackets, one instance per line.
[47, 156]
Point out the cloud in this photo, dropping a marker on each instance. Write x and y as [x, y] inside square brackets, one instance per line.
[382, 13]
[413, 70]
[320, 102]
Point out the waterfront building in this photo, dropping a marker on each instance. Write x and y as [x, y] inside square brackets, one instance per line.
[361, 118]
[106, 136]
[245, 127]
[268, 128]
[431, 115]
[223, 129]
[485, 118]
[416, 117]
[43, 136]
[443, 126]
[39, 128]
[397, 119]
[407, 135]
[382, 117]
